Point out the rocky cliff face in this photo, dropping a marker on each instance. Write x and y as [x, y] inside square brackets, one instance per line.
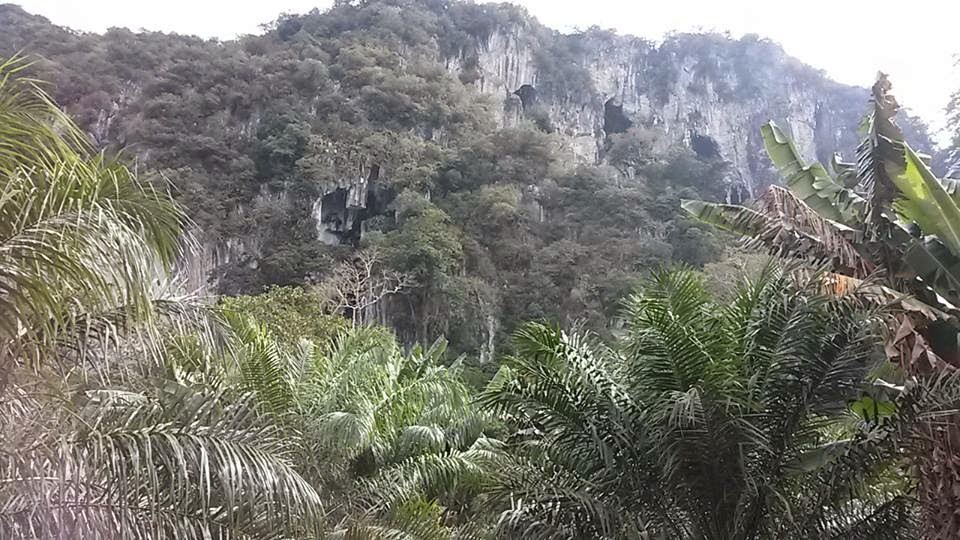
[708, 92]
[704, 91]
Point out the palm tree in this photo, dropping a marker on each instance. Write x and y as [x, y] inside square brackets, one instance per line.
[889, 214]
[706, 421]
[80, 237]
[94, 441]
[173, 463]
[392, 437]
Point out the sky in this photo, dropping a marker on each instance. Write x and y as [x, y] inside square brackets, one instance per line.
[916, 42]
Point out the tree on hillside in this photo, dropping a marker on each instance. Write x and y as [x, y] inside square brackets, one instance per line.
[357, 286]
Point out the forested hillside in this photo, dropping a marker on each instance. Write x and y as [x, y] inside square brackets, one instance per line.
[465, 278]
[492, 170]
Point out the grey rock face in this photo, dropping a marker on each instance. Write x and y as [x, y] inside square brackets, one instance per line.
[699, 90]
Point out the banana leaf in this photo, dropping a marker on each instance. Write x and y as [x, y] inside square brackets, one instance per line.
[810, 183]
[924, 200]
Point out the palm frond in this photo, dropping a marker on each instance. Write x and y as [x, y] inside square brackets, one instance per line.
[786, 226]
[721, 411]
[892, 520]
[179, 464]
[882, 142]
[78, 232]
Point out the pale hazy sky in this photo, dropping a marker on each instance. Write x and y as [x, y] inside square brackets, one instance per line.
[916, 42]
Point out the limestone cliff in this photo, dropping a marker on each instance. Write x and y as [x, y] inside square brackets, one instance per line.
[709, 92]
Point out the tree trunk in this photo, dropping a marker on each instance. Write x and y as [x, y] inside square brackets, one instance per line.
[939, 468]
[925, 350]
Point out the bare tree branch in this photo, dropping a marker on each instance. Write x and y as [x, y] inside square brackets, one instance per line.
[358, 285]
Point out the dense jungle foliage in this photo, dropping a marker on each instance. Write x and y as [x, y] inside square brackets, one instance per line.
[763, 411]
[260, 136]
[501, 342]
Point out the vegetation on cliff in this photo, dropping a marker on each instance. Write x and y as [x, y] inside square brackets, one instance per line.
[265, 141]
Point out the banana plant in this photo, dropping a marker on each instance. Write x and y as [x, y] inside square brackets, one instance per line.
[888, 211]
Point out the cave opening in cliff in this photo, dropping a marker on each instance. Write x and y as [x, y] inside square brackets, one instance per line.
[528, 95]
[614, 121]
[372, 216]
[334, 211]
[704, 146]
